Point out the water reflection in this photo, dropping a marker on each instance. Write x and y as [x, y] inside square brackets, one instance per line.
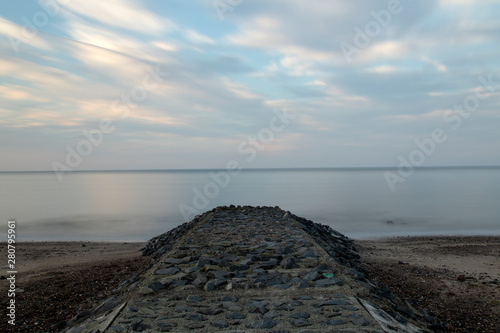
[139, 205]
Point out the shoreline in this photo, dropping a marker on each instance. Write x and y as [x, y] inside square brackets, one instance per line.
[435, 234]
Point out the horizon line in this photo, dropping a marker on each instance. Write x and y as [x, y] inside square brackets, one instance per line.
[456, 167]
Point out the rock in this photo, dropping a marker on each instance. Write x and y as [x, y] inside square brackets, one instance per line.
[461, 278]
[263, 323]
[229, 299]
[182, 308]
[199, 280]
[272, 315]
[196, 317]
[285, 307]
[219, 281]
[140, 327]
[203, 262]
[178, 283]
[260, 285]
[224, 263]
[258, 307]
[312, 276]
[324, 268]
[230, 257]
[405, 309]
[220, 324]
[155, 286]
[168, 271]
[210, 312]
[235, 315]
[208, 268]
[301, 322]
[298, 315]
[283, 250]
[132, 308]
[176, 261]
[194, 299]
[309, 254]
[330, 312]
[246, 262]
[283, 286]
[287, 263]
[270, 264]
[167, 326]
[231, 306]
[233, 268]
[304, 298]
[335, 322]
[304, 284]
[329, 282]
[331, 303]
[209, 286]
[362, 321]
[116, 328]
[194, 325]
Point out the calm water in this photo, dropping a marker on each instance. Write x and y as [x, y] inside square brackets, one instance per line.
[135, 206]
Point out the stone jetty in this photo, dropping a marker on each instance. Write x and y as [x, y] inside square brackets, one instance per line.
[242, 269]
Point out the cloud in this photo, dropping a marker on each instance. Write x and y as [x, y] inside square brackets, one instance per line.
[18, 35]
[225, 77]
[197, 38]
[385, 69]
[126, 14]
[452, 3]
[439, 66]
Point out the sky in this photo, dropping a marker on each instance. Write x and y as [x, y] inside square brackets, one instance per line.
[126, 84]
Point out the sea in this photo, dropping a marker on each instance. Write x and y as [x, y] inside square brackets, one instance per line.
[358, 202]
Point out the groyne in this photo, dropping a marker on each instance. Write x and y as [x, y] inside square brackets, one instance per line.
[244, 268]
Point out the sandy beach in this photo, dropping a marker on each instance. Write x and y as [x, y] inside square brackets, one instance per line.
[59, 280]
[452, 281]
